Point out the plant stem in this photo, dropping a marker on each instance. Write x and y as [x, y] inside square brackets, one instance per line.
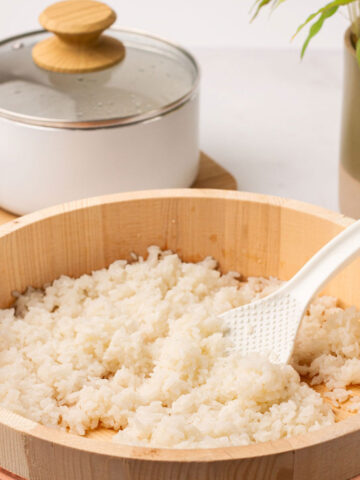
[354, 14]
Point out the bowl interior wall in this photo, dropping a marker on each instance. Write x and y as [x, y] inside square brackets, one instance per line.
[252, 237]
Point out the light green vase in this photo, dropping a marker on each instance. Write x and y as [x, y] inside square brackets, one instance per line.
[349, 170]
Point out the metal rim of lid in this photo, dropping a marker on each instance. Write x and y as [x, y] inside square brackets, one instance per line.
[111, 122]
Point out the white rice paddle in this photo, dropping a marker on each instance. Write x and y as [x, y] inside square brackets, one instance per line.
[269, 326]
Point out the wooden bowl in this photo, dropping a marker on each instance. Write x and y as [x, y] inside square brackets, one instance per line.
[254, 234]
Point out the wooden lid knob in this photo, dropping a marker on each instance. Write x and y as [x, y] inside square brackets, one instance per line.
[78, 45]
[77, 17]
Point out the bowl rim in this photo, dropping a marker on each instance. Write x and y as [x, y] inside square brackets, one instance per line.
[24, 426]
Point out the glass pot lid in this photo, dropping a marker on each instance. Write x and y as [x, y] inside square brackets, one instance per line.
[152, 78]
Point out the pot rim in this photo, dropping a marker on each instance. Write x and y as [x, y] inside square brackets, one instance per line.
[111, 122]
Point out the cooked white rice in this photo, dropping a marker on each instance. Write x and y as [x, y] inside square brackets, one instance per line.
[139, 348]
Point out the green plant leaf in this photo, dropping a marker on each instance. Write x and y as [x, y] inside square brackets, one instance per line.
[319, 17]
[316, 27]
[260, 4]
[358, 51]
[329, 6]
[279, 2]
[275, 4]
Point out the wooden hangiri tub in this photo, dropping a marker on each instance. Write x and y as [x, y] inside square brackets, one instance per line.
[250, 233]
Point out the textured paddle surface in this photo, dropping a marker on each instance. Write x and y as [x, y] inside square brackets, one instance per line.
[267, 326]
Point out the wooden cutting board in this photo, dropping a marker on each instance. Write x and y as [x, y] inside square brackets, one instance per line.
[211, 175]
[8, 476]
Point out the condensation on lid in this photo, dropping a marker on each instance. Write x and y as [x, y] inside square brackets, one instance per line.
[154, 77]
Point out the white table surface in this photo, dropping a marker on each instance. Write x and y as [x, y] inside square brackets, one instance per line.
[273, 121]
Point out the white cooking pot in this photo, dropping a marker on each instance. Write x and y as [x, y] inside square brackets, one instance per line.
[68, 134]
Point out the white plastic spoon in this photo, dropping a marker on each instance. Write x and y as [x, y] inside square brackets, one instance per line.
[270, 325]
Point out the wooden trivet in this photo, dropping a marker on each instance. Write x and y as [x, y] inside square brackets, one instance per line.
[211, 175]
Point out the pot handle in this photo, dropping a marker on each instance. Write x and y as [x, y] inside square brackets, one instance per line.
[78, 46]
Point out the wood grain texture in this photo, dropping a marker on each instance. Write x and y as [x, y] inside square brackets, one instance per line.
[213, 175]
[254, 234]
[77, 17]
[78, 46]
[6, 216]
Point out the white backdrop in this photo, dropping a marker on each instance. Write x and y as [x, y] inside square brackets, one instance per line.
[196, 22]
